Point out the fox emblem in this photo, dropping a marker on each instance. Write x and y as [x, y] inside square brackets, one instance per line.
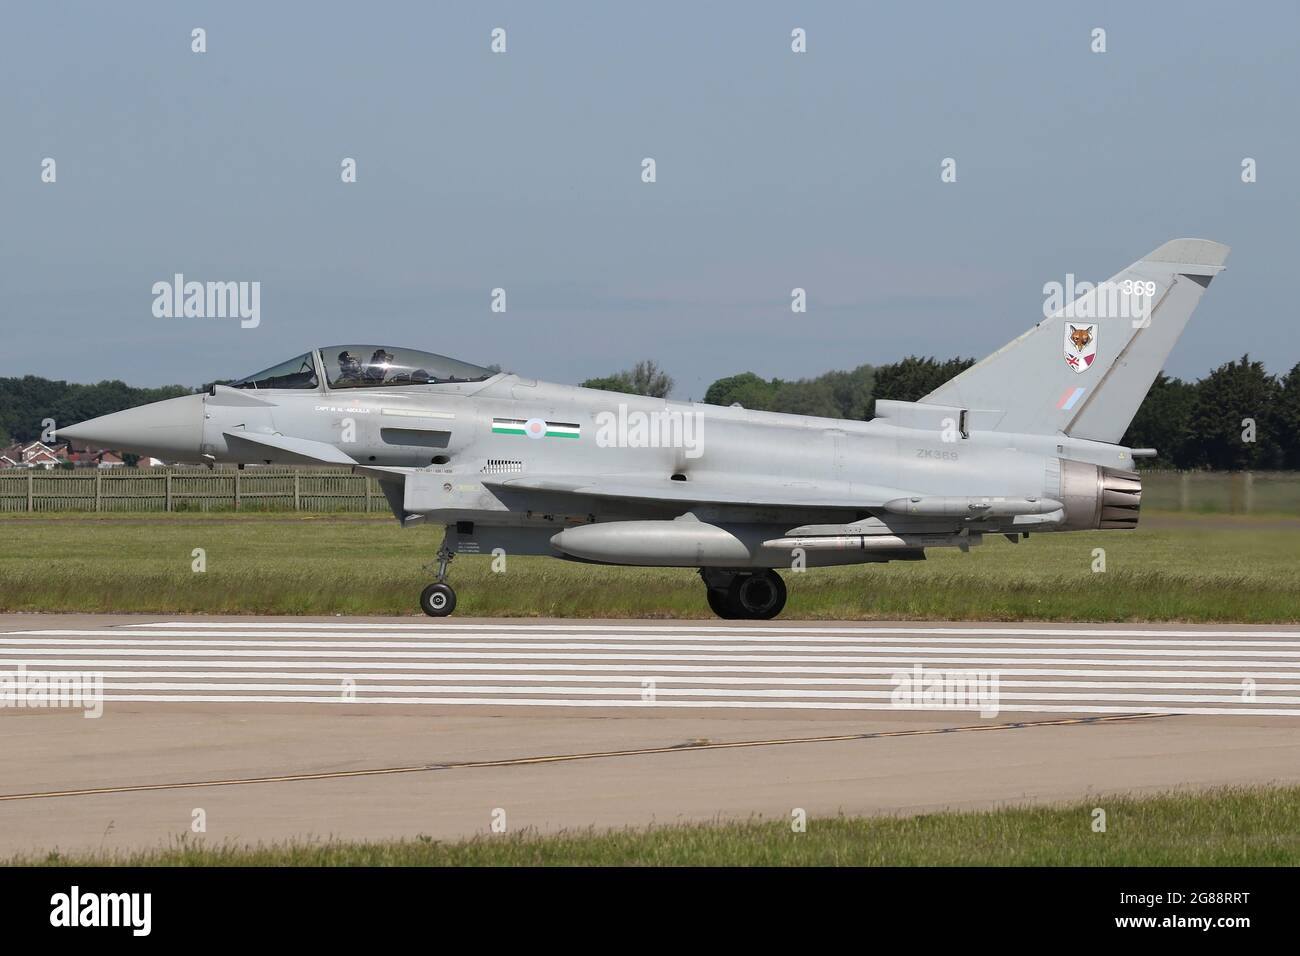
[1080, 346]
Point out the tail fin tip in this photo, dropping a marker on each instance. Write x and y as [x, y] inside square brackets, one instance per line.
[1193, 254]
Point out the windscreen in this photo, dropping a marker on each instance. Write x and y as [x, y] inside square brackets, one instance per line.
[298, 372]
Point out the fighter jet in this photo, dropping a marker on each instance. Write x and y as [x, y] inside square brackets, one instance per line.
[1025, 441]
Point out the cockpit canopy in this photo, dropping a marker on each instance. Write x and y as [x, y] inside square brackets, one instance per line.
[370, 366]
[366, 366]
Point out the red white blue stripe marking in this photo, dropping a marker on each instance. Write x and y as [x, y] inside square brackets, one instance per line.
[1071, 397]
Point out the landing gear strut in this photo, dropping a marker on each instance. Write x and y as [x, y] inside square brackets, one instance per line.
[438, 599]
[745, 595]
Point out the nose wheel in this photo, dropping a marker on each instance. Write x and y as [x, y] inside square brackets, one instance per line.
[439, 599]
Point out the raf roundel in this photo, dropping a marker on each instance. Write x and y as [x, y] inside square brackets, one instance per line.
[535, 428]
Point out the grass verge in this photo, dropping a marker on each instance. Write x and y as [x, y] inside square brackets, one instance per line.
[1231, 827]
[1190, 569]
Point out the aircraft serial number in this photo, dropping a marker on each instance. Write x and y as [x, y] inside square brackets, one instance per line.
[940, 455]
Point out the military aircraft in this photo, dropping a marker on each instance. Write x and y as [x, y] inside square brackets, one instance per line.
[1025, 441]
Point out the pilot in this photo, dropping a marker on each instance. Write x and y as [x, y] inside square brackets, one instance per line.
[378, 365]
[349, 368]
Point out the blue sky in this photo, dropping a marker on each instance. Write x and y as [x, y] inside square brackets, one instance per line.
[522, 171]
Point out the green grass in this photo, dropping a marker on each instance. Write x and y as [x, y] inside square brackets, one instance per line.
[1194, 569]
[1217, 492]
[1234, 827]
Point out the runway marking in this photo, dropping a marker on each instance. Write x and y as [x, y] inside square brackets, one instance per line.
[840, 658]
[660, 691]
[592, 666]
[770, 629]
[779, 678]
[567, 758]
[1148, 647]
[415, 666]
[180, 637]
[704, 704]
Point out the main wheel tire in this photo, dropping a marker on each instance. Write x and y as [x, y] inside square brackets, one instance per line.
[720, 603]
[757, 597]
[438, 600]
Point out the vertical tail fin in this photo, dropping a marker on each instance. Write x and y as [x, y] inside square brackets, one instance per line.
[1085, 369]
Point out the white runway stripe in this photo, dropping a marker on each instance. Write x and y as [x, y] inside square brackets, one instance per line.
[638, 668]
[946, 661]
[1211, 671]
[662, 691]
[334, 679]
[576, 702]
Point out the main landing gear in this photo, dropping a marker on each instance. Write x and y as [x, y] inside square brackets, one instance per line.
[438, 599]
[744, 595]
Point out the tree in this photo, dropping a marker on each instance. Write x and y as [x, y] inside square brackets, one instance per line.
[806, 397]
[1287, 420]
[1162, 420]
[1234, 421]
[914, 378]
[852, 391]
[832, 395]
[644, 378]
[746, 389]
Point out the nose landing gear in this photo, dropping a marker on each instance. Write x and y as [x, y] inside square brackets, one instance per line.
[438, 599]
[744, 595]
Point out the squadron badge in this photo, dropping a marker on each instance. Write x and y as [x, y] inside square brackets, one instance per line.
[1080, 346]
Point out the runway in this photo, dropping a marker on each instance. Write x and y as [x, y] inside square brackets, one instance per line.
[374, 728]
[1025, 669]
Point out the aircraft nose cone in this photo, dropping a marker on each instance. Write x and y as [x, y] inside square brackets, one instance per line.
[168, 429]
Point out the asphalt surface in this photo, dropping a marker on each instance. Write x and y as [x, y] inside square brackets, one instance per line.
[271, 728]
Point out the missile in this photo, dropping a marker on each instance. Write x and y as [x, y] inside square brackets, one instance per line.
[944, 506]
[874, 542]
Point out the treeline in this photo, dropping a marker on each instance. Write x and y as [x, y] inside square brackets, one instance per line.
[838, 394]
[1237, 417]
[26, 402]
